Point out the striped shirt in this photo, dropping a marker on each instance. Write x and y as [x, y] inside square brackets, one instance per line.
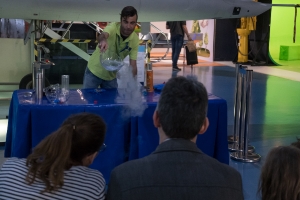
[79, 183]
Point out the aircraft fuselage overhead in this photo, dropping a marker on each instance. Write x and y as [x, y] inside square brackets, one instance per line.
[148, 10]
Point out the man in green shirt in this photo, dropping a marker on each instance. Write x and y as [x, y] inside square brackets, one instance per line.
[120, 38]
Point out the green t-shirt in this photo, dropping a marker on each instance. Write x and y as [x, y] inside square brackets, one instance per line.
[115, 43]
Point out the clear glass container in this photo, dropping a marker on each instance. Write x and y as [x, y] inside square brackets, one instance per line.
[111, 61]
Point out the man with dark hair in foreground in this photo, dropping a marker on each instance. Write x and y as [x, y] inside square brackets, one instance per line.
[177, 169]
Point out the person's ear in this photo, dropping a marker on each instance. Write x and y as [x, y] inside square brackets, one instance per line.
[204, 126]
[156, 121]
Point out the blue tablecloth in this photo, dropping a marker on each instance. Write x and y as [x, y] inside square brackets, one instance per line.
[126, 138]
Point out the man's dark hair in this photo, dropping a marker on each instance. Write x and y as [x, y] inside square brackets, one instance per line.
[128, 11]
[182, 107]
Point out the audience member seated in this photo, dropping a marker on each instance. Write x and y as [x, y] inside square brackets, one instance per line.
[177, 169]
[280, 175]
[57, 167]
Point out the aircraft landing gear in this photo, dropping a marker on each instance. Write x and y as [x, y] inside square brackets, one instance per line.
[26, 82]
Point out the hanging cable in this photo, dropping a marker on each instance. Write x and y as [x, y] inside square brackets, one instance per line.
[295, 23]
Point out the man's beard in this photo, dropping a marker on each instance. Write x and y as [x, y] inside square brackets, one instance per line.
[126, 32]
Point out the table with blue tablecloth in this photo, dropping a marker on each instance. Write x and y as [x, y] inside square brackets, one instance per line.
[127, 137]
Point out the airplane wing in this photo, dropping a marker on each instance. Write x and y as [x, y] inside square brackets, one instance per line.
[148, 10]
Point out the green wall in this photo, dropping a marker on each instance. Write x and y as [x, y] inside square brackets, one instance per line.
[281, 31]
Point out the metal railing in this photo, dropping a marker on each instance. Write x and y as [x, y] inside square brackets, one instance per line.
[238, 143]
[155, 40]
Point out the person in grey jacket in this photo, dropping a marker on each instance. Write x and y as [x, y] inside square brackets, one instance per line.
[177, 169]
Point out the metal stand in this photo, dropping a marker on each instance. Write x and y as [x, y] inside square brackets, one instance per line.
[232, 147]
[39, 67]
[250, 157]
[237, 103]
[239, 141]
[36, 31]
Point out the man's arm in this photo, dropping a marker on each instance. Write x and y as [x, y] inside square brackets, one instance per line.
[186, 32]
[134, 67]
[133, 56]
[102, 40]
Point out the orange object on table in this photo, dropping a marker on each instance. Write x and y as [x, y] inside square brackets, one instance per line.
[150, 81]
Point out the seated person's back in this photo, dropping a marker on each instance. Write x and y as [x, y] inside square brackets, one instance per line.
[177, 169]
[57, 167]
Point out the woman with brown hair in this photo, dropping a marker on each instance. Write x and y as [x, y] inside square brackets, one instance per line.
[57, 167]
[280, 175]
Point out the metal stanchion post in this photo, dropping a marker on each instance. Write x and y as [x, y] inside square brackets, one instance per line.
[242, 113]
[249, 75]
[233, 146]
[243, 154]
[233, 140]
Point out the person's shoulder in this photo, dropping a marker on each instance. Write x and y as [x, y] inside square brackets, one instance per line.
[14, 162]
[86, 174]
[113, 26]
[85, 170]
[13, 166]
[220, 167]
[133, 164]
[86, 178]
[130, 170]
[134, 38]
[15, 159]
